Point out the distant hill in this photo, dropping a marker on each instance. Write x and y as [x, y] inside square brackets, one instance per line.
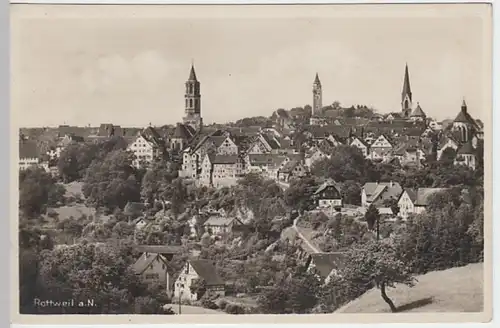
[453, 290]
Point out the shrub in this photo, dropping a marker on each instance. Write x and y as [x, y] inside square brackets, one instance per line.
[234, 309]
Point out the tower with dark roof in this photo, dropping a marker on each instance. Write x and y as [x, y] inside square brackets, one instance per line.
[317, 97]
[192, 100]
[464, 126]
[406, 96]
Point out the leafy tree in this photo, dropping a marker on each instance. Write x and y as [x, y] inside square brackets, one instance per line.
[347, 164]
[112, 183]
[157, 180]
[299, 195]
[88, 271]
[376, 264]
[297, 293]
[37, 190]
[372, 216]
[351, 192]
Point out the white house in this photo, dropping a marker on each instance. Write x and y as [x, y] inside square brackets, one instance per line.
[377, 193]
[361, 145]
[415, 201]
[198, 270]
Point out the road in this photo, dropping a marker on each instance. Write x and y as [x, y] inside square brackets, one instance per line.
[304, 239]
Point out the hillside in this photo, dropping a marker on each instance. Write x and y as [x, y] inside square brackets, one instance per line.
[453, 290]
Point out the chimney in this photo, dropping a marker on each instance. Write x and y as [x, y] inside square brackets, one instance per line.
[391, 184]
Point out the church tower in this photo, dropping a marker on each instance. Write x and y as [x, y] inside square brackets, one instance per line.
[317, 97]
[406, 99]
[192, 100]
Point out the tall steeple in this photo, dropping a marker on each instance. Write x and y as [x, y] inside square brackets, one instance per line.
[464, 106]
[406, 95]
[193, 101]
[317, 97]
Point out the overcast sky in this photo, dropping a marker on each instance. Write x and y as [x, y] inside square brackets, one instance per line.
[128, 66]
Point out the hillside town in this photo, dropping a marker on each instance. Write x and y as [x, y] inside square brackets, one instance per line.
[263, 215]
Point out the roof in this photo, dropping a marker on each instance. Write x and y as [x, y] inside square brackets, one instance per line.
[271, 141]
[466, 149]
[219, 221]
[206, 270]
[421, 196]
[192, 74]
[406, 84]
[417, 112]
[375, 189]
[464, 117]
[289, 166]
[225, 159]
[326, 184]
[265, 159]
[28, 149]
[182, 132]
[316, 79]
[158, 249]
[326, 262]
[143, 262]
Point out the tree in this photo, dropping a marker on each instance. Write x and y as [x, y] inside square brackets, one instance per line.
[372, 216]
[112, 183]
[157, 180]
[37, 190]
[299, 194]
[347, 164]
[376, 263]
[88, 271]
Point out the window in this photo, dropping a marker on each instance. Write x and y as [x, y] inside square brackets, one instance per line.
[152, 276]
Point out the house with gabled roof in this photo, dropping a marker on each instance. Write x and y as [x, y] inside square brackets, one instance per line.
[361, 145]
[201, 273]
[147, 147]
[314, 155]
[447, 141]
[183, 133]
[328, 195]
[292, 169]
[381, 148]
[326, 265]
[219, 225]
[376, 193]
[415, 201]
[152, 265]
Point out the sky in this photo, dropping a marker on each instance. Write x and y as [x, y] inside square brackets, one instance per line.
[127, 66]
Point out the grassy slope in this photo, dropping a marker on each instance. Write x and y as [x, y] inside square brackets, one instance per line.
[453, 290]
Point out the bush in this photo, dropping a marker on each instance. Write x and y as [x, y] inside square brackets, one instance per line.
[223, 304]
[234, 309]
[209, 304]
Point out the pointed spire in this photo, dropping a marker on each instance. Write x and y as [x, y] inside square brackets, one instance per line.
[316, 79]
[192, 74]
[464, 105]
[406, 83]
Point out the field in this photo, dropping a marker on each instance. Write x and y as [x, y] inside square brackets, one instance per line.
[453, 290]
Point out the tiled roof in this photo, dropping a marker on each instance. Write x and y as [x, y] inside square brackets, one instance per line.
[182, 131]
[206, 270]
[144, 261]
[289, 166]
[387, 189]
[270, 141]
[265, 159]
[417, 112]
[219, 221]
[326, 184]
[225, 159]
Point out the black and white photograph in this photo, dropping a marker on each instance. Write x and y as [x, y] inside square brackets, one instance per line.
[261, 160]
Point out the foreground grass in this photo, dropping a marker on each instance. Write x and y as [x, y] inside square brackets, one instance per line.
[453, 290]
